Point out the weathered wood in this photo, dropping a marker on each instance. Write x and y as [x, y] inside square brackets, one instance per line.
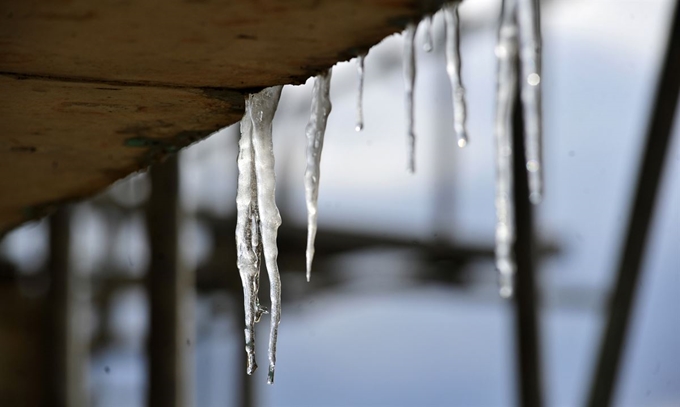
[197, 43]
[68, 140]
[87, 86]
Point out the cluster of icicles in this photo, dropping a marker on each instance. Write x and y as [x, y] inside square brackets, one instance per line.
[258, 218]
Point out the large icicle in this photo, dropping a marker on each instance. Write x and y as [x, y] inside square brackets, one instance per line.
[262, 109]
[409, 83]
[506, 52]
[453, 69]
[321, 108]
[360, 96]
[530, 57]
[247, 231]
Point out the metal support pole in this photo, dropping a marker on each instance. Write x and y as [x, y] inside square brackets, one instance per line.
[527, 340]
[165, 350]
[60, 309]
[68, 349]
[630, 261]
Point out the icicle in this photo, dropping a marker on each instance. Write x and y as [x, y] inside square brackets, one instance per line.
[530, 57]
[453, 69]
[321, 108]
[263, 107]
[506, 52]
[428, 43]
[247, 242]
[360, 98]
[409, 83]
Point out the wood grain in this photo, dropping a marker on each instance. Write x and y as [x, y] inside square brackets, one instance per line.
[95, 90]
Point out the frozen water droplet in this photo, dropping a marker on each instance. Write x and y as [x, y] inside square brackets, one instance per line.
[453, 64]
[501, 52]
[533, 79]
[360, 98]
[321, 108]
[535, 198]
[532, 166]
[409, 84]
[505, 292]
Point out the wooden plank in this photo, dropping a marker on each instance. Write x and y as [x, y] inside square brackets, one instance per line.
[88, 87]
[68, 140]
[217, 43]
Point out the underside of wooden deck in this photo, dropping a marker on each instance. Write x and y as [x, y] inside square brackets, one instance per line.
[94, 91]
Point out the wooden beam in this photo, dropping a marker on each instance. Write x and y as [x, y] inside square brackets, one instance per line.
[93, 91]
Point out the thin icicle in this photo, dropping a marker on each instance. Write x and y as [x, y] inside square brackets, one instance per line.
[321, 108]
[453, 69]
[506, 52]
[360, 97]
[409, 83]
[263, 107]
[247, 242]
[530, 57]
[428, 43]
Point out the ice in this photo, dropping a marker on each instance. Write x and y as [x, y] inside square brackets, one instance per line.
[409, 83]
[256, 205]
[506, 53]
[258, 218]
[321, 108]
[428, 43]
[360, 97]
[247, 248]
[530, 58]
[453, 70]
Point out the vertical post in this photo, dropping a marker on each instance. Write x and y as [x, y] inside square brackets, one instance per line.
[66, 380]
[527, 339]
[630, 261]
[166, 346]
[59, 307]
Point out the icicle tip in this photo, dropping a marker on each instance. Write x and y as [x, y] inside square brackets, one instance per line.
[252, 366]
[270, 375]
[505, 292]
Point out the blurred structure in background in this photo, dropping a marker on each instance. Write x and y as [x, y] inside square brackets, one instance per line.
[133, 298]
